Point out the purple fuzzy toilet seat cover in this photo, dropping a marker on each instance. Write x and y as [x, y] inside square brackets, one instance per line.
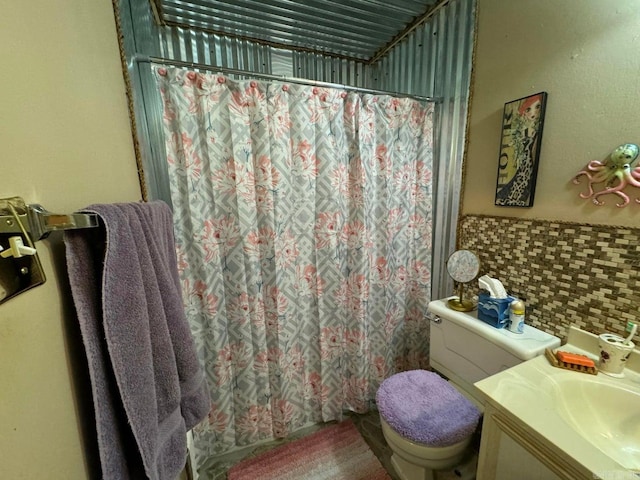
[425, 408]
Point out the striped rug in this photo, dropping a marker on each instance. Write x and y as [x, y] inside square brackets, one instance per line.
[337, 452]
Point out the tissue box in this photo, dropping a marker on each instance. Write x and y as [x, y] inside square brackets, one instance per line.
[494, 311]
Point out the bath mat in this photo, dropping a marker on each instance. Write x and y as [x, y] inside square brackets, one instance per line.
[337, 452]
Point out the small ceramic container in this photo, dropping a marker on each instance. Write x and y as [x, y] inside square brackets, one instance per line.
[614, 352]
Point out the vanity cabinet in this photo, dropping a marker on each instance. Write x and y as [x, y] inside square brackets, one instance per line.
[508, 450]
[543, 422]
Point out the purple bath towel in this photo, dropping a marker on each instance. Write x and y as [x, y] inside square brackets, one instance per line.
[147, 384]
[425, 408]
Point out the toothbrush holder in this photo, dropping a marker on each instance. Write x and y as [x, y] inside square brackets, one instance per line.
[614, 351]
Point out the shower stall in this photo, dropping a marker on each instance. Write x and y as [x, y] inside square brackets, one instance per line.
[434, 60]
[315, 200]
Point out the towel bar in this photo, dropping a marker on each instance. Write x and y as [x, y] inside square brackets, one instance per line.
[37, 221]
[20, 226]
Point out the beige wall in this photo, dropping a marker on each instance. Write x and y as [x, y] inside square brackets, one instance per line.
[586, 55]
[66, 143]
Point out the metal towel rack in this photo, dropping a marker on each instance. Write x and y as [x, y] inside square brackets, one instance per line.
[20, 226]
[34, 219]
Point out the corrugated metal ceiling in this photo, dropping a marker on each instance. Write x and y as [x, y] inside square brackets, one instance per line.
[347, 28]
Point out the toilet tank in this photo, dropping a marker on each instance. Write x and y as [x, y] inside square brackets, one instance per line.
[467, 350]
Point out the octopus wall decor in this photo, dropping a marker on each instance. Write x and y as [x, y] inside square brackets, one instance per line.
[616, 172]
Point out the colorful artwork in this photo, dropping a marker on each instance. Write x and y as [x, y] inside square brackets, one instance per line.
[522, 123]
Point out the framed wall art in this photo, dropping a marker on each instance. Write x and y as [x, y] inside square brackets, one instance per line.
[522, 123]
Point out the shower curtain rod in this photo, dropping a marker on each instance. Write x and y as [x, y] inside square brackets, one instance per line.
[281, 78]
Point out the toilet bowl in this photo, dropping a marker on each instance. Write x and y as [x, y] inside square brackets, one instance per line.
[426, 422]
[413, 460]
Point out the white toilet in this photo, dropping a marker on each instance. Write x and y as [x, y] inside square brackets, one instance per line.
[428, 423]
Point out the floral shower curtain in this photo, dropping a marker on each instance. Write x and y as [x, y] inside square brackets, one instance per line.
[303, 225]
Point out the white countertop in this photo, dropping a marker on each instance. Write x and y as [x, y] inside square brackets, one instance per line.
[527, 392]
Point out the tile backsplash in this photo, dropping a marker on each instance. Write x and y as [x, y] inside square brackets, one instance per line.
[568, 273]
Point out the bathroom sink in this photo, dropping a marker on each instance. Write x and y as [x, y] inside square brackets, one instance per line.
[604, 413]
[579, 425]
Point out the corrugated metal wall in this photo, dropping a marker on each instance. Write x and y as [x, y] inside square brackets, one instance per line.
[140, 35]
[140, 32]
[351, 28]
[211, 49]
[434, 60]
[333, 70]
[451, 71]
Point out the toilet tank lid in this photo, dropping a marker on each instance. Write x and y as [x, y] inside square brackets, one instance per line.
[525, 346]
